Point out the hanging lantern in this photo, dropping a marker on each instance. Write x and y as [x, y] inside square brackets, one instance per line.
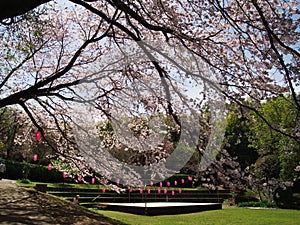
[190, 178]
[93, 180]
[165, 191]
[149, 191]
[141, 191]
[151, 183]
[38, 136]
[35, 157]
[173, 193]
[158, 191]
[175, 183]
[130, 190]
[160, 184]
[179, 191]
[182, 181]
[168, 184]
[64, 175]
[49, 166]
[103, 190]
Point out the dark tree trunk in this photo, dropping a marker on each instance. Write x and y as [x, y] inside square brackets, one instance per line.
[12, 8]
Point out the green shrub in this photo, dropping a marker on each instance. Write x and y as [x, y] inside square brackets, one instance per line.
[263, 204]
[284, 197]
[42, 174]
[245, 196]
[240, 199]
[14, 170]
[296, 201]
[33, 172]
[25, 181]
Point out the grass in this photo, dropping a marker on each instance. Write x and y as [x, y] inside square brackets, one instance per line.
[226, 216]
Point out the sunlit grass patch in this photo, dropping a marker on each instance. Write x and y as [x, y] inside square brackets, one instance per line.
[229, 215]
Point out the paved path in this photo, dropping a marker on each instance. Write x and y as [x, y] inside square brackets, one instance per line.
[27, 206]
[18, 206]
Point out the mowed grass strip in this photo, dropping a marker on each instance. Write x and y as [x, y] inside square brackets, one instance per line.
[226, 216]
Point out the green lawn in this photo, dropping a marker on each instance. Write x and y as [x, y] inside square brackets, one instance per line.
[228, 216]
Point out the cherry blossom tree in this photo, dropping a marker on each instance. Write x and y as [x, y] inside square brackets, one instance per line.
[244, 49]
[243, 42]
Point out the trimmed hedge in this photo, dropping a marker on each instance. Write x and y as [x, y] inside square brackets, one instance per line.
[257, 204]
[33, 172]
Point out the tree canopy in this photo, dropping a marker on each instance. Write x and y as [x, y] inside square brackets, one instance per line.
[283, 114]
[62, 61]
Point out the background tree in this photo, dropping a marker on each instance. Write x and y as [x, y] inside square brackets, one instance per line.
[236, 139]
[10, 124]
[284, 115]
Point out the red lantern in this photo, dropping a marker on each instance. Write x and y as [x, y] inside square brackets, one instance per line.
[175, 183]
[165, 191]
[168, 184]
[158, 191]
[182, 181]
[64, 175]
[49, 166]
[151, 183]
[190, 178]
[141, 191]
[35, 157]
[173, 193]
[93, 180]
[160, 184]
[130, 190]
[103, 190]
[179, 191]
[149, 191]
[38, 136]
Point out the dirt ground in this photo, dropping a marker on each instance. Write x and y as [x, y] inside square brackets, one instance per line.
[27, 206]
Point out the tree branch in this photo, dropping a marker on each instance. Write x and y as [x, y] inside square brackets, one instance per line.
[12, 8]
